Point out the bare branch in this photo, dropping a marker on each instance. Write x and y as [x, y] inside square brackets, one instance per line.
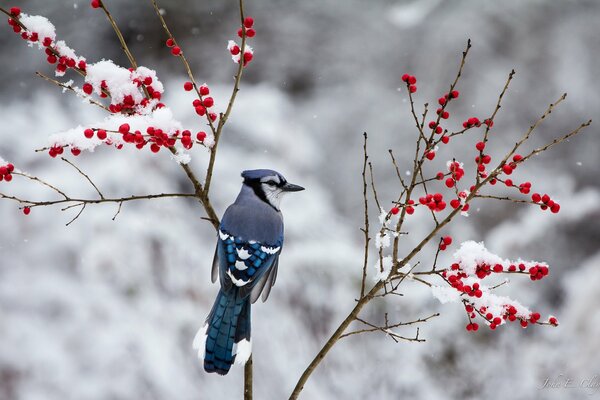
[85, 176]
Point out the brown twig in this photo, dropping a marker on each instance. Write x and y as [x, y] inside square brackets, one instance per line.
[225, 116]
[85, 176]
[71, 88]
[184, 60]
[366, 210]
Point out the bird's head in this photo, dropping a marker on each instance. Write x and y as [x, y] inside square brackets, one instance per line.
[269, 185]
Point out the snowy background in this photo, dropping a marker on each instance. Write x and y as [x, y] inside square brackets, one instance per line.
[108, 310]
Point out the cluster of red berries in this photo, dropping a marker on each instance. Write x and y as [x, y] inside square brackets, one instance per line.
[14, 12]
[156, 137]
[63, 62]
[411, 82]
[460, 202]
[247, 28]
[509, 313]
[6, 172]
[245, 31]
[409, 207]
[545, 202]
[435, 202]
[175, 50]
[456, 173]
[445, 242]
[511, 166]
[538, 272]
[205, 102]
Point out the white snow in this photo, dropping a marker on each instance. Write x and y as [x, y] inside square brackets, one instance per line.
[41, 25]
[181, 156]
[445, 294]
[383, 267]
[161, 118]
[118, 81]
[470, 254]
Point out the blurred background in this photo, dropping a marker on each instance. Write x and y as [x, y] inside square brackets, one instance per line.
[106, 309]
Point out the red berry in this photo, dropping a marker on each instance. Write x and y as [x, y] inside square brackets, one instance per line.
[8, 177]
[200, 136]
[47, 41]
[445, 139]
[15, 11]
[455, 203]
[75, 151]
[412, 80]
[240, 32]
[438, 129]
[235, 50]
[248, 57]
[517, 157]
[445, 115]
[200, 110]
[480, 146]
[545, 198]
[442, 101]
[188, 86]
[101, 134]
[430, 155]
[250, 33]
[454, 94]
[555, 208]
[26, 210]
[405, 77]
[498, 268]
[395, 210]
[208, 102]
[449, 182]
[155, 148]
[410, 210]
[508, 182]
[124, 128]
[87, 88]
[204, 90]
[95, 3]
[553, 321]
[447, 240]
[507, 169]
[88, 133]
[412, 88]
[170, 42]
[212, 116]
[176, 50]
[248, 22]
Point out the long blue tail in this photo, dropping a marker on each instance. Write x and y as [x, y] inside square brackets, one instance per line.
[228, 324]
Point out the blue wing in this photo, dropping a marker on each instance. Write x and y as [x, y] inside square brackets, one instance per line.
[249, 265]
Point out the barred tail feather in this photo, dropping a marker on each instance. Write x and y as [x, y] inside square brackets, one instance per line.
[226, 333]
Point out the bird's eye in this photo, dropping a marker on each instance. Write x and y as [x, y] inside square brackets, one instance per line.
[271, 183]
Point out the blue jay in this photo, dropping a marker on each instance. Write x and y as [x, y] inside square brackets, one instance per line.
[246, 259]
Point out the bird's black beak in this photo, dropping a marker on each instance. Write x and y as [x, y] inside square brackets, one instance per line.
[290, 187]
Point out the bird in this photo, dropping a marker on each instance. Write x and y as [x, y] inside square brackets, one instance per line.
[249, 242]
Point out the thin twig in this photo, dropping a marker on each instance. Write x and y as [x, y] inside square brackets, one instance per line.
[366, 210]
[185, 62]
[71, 88]
[78, 214]
[85, 176]
[225, 116]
